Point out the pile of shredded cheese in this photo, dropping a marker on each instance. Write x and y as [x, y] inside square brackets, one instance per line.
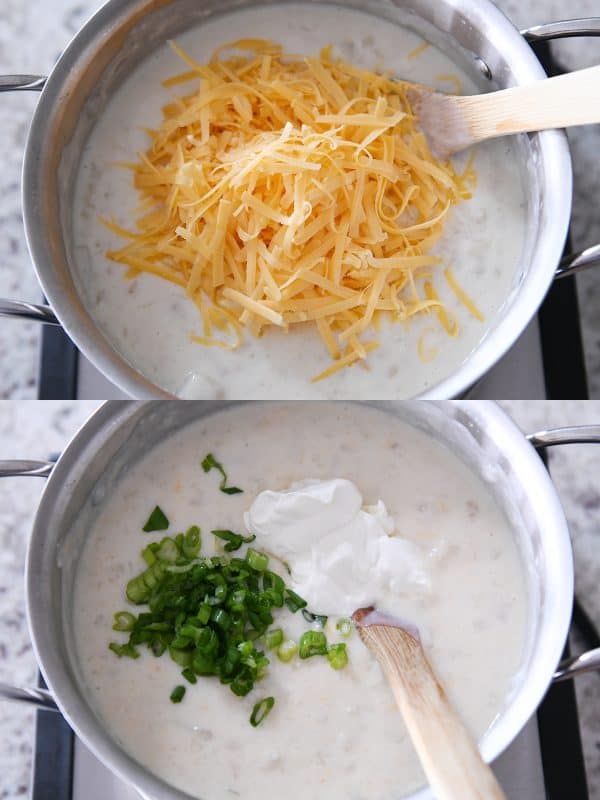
[289, 191]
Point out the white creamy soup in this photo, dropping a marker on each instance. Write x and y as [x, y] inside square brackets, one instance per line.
[332, 732]
[150, 320]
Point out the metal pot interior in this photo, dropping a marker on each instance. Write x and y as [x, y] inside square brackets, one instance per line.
[125, 32]
[120, 433]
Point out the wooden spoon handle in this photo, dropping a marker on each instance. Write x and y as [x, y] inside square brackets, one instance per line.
[560, 102]
[449, 757]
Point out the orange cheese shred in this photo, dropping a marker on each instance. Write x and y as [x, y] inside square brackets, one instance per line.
[284, 191]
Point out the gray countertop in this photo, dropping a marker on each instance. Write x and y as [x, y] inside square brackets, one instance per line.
[35, 430]
[32, 35]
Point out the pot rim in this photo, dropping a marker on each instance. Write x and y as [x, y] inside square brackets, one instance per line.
[536, 280]
[554, 618]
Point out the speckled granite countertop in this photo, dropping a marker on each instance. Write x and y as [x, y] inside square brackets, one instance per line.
[35, 430]
[32, 35]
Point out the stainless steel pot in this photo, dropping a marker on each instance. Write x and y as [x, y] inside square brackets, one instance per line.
[474, 32]
[120, 433]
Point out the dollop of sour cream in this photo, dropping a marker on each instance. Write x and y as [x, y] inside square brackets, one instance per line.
[342, 554]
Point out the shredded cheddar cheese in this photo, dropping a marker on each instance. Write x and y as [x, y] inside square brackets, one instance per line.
[287, 191]
[418, 50]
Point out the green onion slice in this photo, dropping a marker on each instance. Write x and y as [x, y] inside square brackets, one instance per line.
[313, 643]
[167, 551]
[261, 710]
[293, 601]
[157, 521]
[124, 621]
[274, 638]
[287, 650]
[337, 656]
[344, 627]
[177, 694]
[210, 462]
[319, 619]
[189, 675]
[124, 650]
[190, 544]
[258, 561]
[234, 540]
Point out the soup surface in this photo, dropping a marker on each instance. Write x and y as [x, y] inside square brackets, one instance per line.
[332, 732]
[150, 321]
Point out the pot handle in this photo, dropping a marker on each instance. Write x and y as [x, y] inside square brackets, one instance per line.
[564, 29]
[576, 434]
[15, 308]
[40, 698]
[587, 26]
[30, 311]
[577, 262]
[578, 665]
[22, 83]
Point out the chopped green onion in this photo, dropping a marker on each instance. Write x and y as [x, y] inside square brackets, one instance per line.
[260, 711]
[337, 656]
[273, 587]
[140, 587]
[344, 627]
[181, 568]
[181, 657]
[210, 614]
[293, 601]
[258, 561]
[221, 618]
[177, 694]
[319, 619]
[313, 643]
[168, 550]
[274, 638]
[287, 650]
[234, 540]
[149, 553]
[157, 521]
[190, 544]
[124, 621]
[189, 675]
[210, 462]
[126, 650]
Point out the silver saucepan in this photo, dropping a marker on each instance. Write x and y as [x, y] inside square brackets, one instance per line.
[123, 32]
[120, 433]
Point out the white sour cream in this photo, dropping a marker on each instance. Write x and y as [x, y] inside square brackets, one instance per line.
[150, 320]
[340, 554]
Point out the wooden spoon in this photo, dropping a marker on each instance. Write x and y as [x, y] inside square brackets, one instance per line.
[452, 123]
[450, 758]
